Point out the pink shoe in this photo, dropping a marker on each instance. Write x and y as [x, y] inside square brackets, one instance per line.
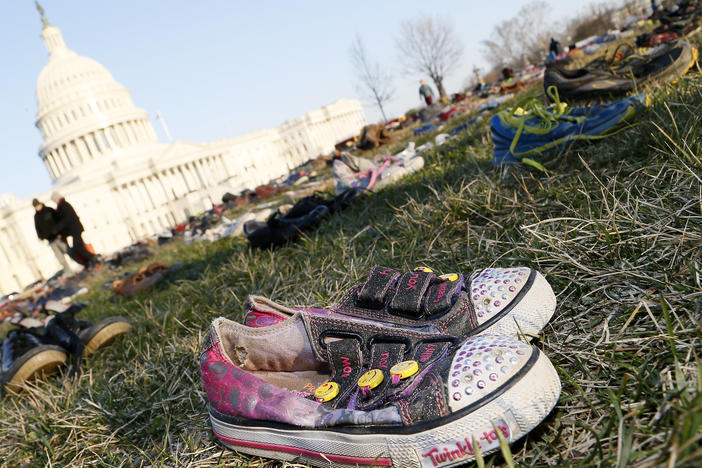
[318, 389]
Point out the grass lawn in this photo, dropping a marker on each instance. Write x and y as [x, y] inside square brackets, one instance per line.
[616, 227]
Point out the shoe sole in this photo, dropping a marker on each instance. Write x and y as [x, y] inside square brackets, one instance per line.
[42, 360]
[676, 69]
[440, 446]
[527, 314]
[103, 333]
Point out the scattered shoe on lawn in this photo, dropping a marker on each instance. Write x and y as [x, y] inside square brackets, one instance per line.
[531, 128]
[25, 356]
[315, 389]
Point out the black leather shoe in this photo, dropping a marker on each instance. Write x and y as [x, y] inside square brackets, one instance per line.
[280, 229]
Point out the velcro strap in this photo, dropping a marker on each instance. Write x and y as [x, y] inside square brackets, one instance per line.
[386, 355]
[410, 291]
[428, 352]
[383, 357]
[345, 360]
[439, 297]
[380, 280]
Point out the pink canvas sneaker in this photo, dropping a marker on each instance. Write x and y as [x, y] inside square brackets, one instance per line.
[501, 301]
[317, 389]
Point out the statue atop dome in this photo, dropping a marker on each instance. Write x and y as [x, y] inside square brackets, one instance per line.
[40, 9]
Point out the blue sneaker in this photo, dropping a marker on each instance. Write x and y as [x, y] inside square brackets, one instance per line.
[531, 128]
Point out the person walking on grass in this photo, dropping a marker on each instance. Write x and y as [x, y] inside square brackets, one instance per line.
[68, 225]
[45, 224]
[426, 93]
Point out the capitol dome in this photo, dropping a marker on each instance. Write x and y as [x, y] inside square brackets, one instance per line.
[83, 113]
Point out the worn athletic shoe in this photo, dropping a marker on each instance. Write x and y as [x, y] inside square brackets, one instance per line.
[531, 129]
[508, 301]
[349, 393]
[584, 83]
[26, 356]
[667, 62]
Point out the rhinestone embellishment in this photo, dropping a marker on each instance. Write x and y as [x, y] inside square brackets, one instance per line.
[495, 288]
[493, 361]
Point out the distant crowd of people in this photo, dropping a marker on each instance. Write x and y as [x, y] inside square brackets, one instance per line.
[56, 225]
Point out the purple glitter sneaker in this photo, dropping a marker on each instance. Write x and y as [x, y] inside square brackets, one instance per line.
[500, 301]
[347, 393]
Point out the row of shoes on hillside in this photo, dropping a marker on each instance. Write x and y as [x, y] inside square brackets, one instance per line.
[672, 25]
[408, 368]
[38, 343]
[56, 288]
[352, 176]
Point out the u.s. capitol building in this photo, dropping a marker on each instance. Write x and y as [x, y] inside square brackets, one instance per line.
[103, 155]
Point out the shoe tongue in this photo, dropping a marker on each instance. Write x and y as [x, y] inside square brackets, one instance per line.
[416, 293]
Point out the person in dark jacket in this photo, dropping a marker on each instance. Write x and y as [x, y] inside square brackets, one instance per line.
[68, 225]
[45, 224]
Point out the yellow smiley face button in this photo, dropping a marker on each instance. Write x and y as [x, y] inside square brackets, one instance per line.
[326, 391]
[424, 269]
[371, 379]
[403, 369]
[449, 276]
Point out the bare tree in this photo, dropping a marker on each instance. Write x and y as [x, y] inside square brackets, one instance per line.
[373, 80]
[519, 40]
[430, 46]
[596, 20]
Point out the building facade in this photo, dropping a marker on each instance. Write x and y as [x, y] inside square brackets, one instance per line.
[103, 155]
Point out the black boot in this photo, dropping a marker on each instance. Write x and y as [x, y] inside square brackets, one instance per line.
[59, 331]
[25, 355]
[96, 335]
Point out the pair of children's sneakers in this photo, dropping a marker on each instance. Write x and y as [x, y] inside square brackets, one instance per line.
[407, 369]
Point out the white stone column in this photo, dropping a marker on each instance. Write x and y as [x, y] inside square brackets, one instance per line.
[122, 135]
[112, 137]
[144, 204]
[64, 157]
[133, 128]
[149, 198]
[72, 154]
[73, 150]
[82, 150]
[50, 166]
[102, 140]
[126, 197]
[180, 181]
[90, 141]
[187, 176]
[202, 173]
[204, 176]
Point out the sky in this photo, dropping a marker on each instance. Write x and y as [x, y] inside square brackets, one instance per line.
[223, 68]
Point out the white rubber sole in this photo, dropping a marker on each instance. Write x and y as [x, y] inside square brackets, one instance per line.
[529, 313]
[515, 412]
